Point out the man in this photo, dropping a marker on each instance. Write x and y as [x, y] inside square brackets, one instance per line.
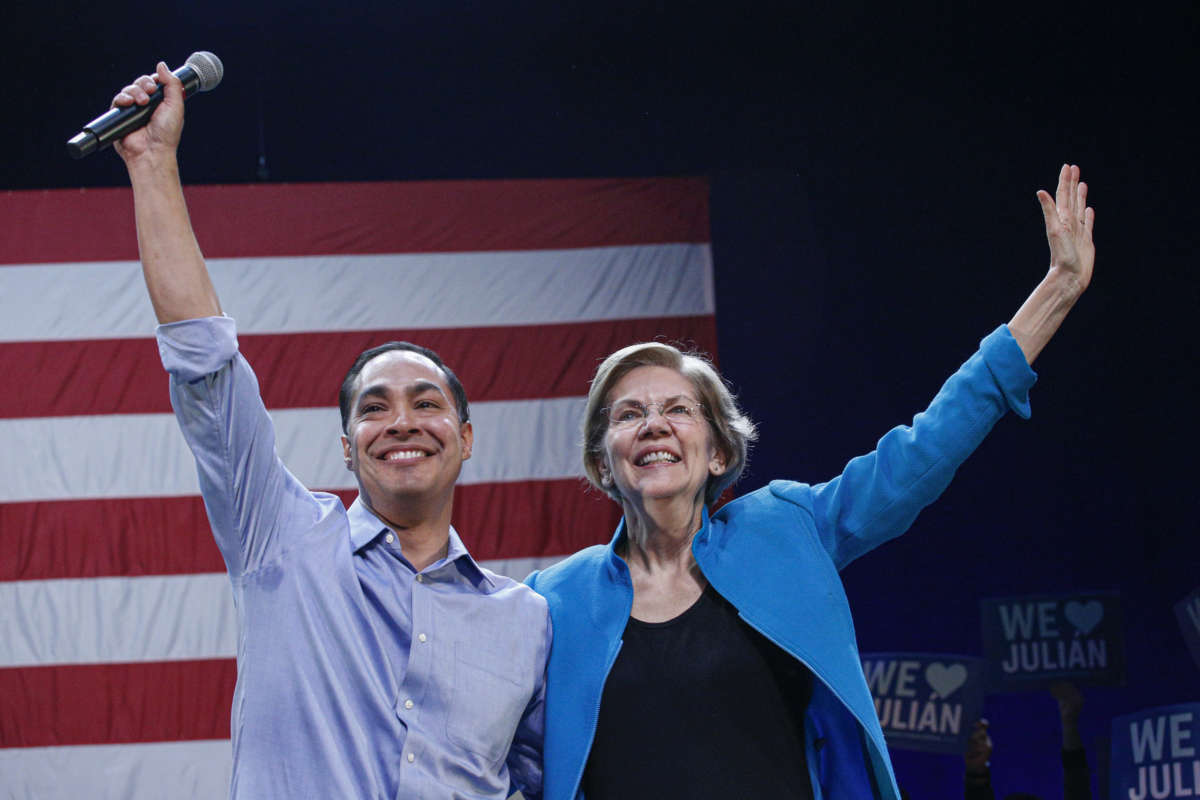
[376, 659]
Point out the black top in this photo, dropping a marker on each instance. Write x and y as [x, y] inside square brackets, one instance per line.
[701, 706]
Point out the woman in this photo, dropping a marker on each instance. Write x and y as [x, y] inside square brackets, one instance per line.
[714, 657]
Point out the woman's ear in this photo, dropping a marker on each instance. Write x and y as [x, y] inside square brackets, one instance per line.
[606, 479]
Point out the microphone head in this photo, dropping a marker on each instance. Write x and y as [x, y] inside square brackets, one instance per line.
[209, 69]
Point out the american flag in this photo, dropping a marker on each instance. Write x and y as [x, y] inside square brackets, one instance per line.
[117, 629]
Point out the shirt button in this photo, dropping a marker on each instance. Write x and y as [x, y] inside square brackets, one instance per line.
[389, 538]
[421, 637]
[411, 757]
[420, 578]
[408, 703]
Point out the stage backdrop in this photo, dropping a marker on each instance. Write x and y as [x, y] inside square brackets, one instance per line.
[117, 633]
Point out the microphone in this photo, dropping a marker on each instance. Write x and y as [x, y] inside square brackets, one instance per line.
[201, 72]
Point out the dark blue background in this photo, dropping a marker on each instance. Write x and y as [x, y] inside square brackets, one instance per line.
[873, 171]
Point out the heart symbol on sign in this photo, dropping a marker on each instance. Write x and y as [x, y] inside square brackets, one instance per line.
[1084, 616]
[945, 680]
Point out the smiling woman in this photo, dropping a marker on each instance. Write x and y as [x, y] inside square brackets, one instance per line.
[714, 656]
[696, 383]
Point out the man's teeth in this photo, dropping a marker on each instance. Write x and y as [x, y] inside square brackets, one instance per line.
[658, 455]
[403, 455]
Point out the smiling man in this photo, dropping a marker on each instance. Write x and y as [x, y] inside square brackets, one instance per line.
[376, 659]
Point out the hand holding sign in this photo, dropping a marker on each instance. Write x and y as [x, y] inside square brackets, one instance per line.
[979, 751]
[1070, 704]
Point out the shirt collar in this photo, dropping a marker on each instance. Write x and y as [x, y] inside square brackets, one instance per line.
[365, 526]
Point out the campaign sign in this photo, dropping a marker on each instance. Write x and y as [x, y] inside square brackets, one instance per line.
[925, 701]
[1155, 754]
[1187, 611]
[1032, 641]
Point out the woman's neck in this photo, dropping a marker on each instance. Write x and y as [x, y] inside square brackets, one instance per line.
[658, 548]
[659, 535]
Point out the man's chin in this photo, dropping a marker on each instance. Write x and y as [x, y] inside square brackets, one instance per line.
[412, 488]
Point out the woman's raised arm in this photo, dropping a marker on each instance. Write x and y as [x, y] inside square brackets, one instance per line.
[1069, 224]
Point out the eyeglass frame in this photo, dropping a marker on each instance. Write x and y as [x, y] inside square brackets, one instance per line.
[696, 413]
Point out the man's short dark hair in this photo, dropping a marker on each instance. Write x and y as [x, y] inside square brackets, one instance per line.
[346, 395]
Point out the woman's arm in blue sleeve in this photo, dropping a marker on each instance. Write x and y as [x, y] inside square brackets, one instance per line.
[878, 495]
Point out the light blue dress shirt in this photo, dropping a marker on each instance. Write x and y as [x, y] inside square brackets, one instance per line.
[358, 676]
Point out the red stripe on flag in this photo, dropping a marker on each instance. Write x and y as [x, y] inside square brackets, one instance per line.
[125, 376]
[171, 536]
[315, 218]
[100, 538]
[116, 703]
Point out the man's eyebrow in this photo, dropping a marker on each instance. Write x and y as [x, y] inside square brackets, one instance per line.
[375, 390]
[421, 387]
[382, 390]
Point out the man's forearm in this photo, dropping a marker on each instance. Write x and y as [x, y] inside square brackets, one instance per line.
[176, 277]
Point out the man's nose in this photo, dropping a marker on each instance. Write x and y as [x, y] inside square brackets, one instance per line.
[403, 421]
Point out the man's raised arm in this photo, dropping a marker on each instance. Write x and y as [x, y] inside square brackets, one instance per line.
[178, 281]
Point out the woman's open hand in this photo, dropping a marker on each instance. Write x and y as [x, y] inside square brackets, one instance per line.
[1069, 224]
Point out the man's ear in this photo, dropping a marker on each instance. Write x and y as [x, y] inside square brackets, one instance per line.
[467, 437]
[347, 453]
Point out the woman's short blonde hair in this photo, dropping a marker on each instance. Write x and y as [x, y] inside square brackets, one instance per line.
[732, 430]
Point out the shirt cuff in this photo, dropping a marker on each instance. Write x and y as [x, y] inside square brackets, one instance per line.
[193, 348]
[1008, 366]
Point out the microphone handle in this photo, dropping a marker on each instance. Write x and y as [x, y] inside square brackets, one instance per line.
[115, 123]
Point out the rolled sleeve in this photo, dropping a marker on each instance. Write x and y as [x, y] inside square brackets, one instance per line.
[193, 348]
[249, 495]
[1008, 366]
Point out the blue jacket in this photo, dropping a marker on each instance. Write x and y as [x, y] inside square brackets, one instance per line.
[775, 555]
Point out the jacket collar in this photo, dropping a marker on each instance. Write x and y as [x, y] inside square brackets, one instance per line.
[615, 566]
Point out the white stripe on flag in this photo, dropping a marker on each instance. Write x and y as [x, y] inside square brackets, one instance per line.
[94, 620]
[373, 292]
[519, 568]
[155, 618]
[198, 769]
[144, 455]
